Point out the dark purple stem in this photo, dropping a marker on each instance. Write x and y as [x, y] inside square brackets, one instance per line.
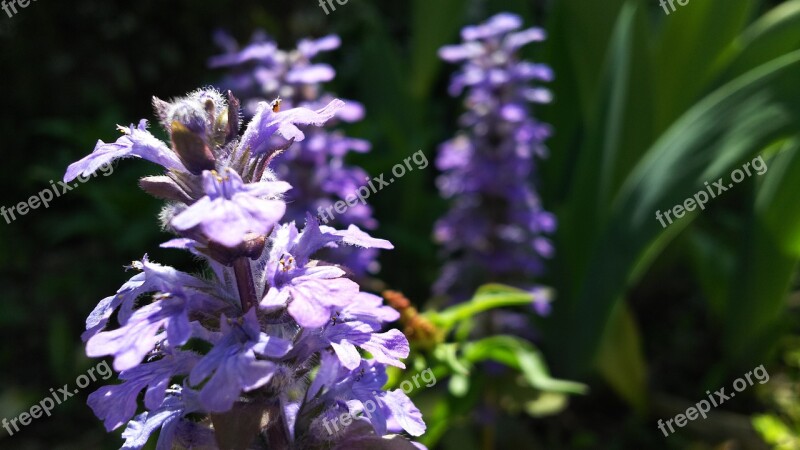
[244, 281]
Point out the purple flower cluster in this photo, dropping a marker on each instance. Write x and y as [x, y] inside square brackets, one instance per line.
[315, 167]
[266, 347]
[495, 228]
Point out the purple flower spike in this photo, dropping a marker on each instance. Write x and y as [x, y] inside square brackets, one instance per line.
[311, 292]
[165, 326]
[153, 277]
[364, 385]
[315, 167]
[496, 225]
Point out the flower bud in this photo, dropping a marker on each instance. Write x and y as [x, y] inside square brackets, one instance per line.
[191, 148]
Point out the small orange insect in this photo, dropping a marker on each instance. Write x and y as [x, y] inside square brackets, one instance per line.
[276, 105]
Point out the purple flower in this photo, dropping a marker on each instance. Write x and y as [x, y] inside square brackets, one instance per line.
[136, 142]
[232, 209]
[362, 389]
[232, 363]
[369, 309]
[247, 339]
[152, 277]
[311, 292]
[386, 348]
[316, 167]
[268, 123]
[130, 343]
[116, 404]
[168, 417]
[495, 230]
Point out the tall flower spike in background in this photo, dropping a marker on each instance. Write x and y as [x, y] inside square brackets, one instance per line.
[227, 361]
[315, 167]
[494, 230]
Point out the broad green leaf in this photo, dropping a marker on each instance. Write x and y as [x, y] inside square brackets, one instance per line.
[586, 28]
[775, 432]
[693, 35]
[592, 189]
[731, 124]
[774, 34]
[760, 287]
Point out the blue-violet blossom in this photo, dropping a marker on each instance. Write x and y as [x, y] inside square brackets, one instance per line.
[495, 228]
[259, 352]
[316, 167]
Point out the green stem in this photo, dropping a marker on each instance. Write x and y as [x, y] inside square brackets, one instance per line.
[449, 317]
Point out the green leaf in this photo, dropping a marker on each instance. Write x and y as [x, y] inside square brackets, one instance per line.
[777, 201]
[584, 27]
[767, 261]
[693, 35]
[731, 124]
[521, 355]
[592, 190]
[434, 25]
[547, 404]
[448, 353]
[774, 34]
[620, 359]
[713, 263]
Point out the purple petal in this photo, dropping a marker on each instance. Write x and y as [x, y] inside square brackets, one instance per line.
[347, 353]
[309, 313]
[388, 348]
[309, 48]
[132, 342]
[404, 412]
[354, 236]
[455, 53]
[524, 37]
[137, 142]
[266, 123]
[315, 73]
